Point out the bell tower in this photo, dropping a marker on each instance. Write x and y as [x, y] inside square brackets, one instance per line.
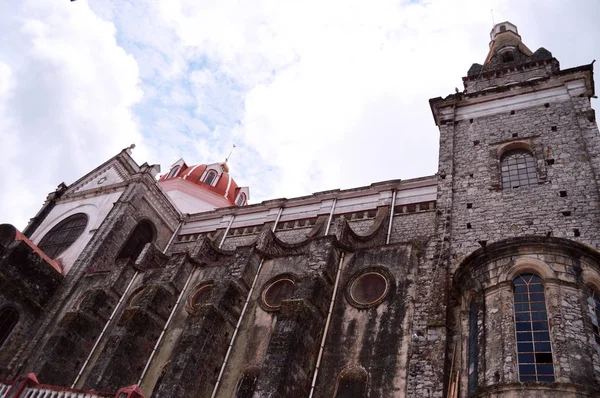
[518, 186]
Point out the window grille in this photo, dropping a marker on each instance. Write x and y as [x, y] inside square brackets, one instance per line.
[210, 177]
[534, 349]
[63, 235]
[518, 169]
[473, 346]
[9, 317]
[142, 234]
[594, 308]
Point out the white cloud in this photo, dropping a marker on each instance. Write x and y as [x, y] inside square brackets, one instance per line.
[68, 105]
[316, 95]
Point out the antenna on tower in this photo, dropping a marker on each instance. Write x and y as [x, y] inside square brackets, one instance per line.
[493, 22]
[230, 152]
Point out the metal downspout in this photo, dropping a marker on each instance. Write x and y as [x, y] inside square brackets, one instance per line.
[389, 231]
[330, 216]
[329, 314]
[239, 322]
[174, 310]
[112, 315]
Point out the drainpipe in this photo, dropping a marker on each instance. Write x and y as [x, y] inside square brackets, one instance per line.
[174, 310]
[239, 322]
[329, 314]
[227, 230]
[389, 231]
[112, 315]
[330, 216]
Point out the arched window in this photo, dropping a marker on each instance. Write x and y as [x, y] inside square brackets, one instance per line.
[62, 236]
[473, 346]
[247, 384]
[241, 199]
[199, 297]
[352, 383]
[173, 172]
[502, 28]
[276, 292]
[518, 169]
[210, 177]
[142, 234]
[534, 349]
[594, 308]
[9, 316]
[508, 56]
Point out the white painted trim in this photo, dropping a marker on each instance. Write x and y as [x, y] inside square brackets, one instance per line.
[522, 101]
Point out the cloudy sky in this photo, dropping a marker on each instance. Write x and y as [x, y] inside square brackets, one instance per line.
[316, 95]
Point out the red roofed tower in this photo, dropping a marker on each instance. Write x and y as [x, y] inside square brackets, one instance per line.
[202, 187]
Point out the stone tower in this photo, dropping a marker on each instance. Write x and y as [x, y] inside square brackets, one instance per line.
[518, 179]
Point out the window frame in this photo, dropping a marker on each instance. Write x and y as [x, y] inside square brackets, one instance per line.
[209, 173]
[512, 175]
[69, 234]
[473, 347]
[533, 341]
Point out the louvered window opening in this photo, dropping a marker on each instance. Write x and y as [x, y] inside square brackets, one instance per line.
[518, 169]
[534, 348]
[63, 235]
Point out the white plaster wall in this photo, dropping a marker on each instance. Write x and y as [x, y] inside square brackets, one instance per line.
[96, 208]
[190, 204]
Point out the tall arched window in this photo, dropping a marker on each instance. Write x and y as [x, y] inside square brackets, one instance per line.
[518, 169]
[142, 234]
[210, 177]
[352, 383]
[62, 236]
[173, 172]
[9, 316]
[594, 308]
[247, 384]
[473, 346]
[534, 349]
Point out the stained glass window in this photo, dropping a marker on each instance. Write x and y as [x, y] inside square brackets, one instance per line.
[594, 308]
[518, 169]
[534, 348]
[62, 236]
[473, 346]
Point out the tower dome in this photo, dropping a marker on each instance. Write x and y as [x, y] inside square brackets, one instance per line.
[202, 187]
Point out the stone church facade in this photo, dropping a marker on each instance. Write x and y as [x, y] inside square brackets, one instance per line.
[480, 281]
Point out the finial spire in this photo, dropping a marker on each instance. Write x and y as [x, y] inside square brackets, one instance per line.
[230, 152]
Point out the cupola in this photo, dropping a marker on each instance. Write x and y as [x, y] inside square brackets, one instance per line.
[202, 187]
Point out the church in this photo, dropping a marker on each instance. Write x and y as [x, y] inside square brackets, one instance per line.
[482, 280]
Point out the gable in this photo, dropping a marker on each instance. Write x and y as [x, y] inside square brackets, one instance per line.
[111, 174]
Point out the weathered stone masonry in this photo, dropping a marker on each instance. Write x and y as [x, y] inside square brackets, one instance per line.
[398, 289]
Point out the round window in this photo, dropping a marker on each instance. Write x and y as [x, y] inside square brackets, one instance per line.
[276, 292]
[369, 288]
[199, 297]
